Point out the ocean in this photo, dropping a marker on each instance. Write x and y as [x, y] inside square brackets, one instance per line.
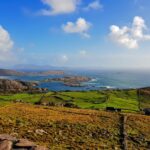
[104, 79]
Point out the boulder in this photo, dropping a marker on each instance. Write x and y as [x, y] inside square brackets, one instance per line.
[7, 137]
[6, 145]
[8, 142]
[24, 143]
[40, 132]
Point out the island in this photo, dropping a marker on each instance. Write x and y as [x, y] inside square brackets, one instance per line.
[73, 81]
[7, 72]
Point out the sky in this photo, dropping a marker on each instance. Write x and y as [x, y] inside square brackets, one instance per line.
[75, 33]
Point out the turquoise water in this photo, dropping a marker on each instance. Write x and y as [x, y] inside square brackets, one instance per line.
[99, 80]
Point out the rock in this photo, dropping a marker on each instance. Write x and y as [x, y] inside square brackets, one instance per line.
[6, 145]
[15, 86]
[24, 143]
[7, 137]
[40, 132]
[8, 142]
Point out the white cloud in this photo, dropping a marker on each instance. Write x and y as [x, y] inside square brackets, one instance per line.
[81, 26]
[64, 58]
[6, 46]
[56, 7]
[94, 5]
[6, 43]
[130, 37]
[83, 53]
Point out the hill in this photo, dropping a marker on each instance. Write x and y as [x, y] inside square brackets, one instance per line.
[65, 128]
[7, 72]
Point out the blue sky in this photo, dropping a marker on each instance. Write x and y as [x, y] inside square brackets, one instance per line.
[76, 33]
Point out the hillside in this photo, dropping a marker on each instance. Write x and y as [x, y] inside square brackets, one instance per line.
[64, 128]
[57, 126]
[7, 72]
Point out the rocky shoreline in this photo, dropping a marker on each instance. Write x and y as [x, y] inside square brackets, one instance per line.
[17, 86]
[72, 81]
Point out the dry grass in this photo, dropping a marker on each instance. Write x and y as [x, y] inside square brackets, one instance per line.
[66, 128]
[138, 129]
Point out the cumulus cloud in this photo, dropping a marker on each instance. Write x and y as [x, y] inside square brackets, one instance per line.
[6, 43]
[81, 26]
[94, 5]
[56, 7]
[6, 46]
[130, 37]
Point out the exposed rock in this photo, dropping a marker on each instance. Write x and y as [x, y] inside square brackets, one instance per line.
[6, 145]
[8, 142]
[7, 137]
[15, 86]
[25, 144]
[74, 81]
[40, 132]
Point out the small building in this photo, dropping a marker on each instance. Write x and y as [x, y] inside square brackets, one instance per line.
[147, 111]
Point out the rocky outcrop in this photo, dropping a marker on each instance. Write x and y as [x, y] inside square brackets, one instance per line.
[144, 91]
[8, 142]
[15, 86]
[74, 81]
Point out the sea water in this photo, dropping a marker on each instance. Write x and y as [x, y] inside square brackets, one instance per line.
[104, 79]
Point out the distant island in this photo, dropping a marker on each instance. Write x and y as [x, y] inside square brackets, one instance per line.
[7, 72]
[74, 81]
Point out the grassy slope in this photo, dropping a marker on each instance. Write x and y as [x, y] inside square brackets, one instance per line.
[7, 98]
[66, 128]
[125, 99]
[76, 128]
[100, 99]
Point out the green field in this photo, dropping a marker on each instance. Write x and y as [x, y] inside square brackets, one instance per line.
[124, 99]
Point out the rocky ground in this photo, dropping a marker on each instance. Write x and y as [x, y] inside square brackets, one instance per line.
[8, 142]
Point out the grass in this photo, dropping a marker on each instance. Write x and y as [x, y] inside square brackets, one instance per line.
[66, 128]
[29, 98]
[124, 99]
